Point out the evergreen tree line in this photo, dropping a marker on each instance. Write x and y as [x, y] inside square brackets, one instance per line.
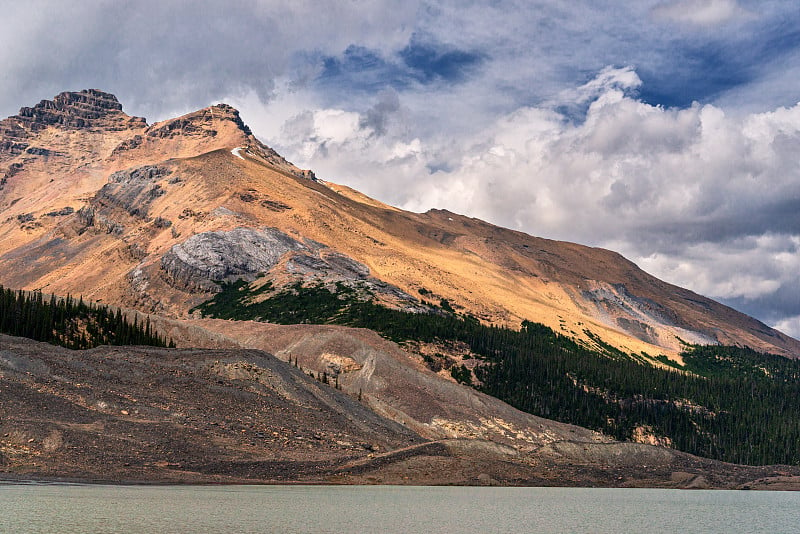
[70, 323]
[728, 403]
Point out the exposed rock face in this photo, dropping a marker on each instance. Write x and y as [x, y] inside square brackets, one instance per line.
[641, 317]
[212, 257]
[131, 190]
[330, 263]
[205, 259]
[134, 189]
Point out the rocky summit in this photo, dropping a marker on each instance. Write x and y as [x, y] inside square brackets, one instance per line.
[194, 215]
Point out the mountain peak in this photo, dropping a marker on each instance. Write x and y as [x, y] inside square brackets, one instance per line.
[232, 114]
[70, 110]
[206, 122]
[74, 110]
[213, 127]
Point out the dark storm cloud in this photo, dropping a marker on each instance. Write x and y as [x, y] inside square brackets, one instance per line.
[741, 218]
[159, 57]
[377, 117]
[702, 69]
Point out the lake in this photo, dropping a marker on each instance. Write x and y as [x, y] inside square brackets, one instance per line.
[67, 508]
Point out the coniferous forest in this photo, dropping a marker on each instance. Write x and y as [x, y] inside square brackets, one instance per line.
[70, 323]
[727, 403]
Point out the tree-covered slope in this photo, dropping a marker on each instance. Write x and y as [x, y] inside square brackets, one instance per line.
[70, 323]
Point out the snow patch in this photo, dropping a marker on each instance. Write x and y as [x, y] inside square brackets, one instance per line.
[236, 152]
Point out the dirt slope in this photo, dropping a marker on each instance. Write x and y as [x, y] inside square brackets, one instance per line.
[128, 414]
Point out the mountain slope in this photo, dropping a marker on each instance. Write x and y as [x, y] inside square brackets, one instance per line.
[99, 203]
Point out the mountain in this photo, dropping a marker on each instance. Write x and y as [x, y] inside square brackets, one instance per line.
[194, 216]
[154, 216]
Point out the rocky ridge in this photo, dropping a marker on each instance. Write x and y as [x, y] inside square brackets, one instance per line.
[69, 111]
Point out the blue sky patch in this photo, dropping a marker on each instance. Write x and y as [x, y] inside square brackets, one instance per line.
[361, 69]
[429, 63]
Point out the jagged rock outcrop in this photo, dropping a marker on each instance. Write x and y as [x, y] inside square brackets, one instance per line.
[89, 108]
[199, 123]
[134, 189]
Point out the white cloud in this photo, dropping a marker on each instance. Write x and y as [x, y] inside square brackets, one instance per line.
[701, 12]
[697, 197]
[610, 81]
[789, 326]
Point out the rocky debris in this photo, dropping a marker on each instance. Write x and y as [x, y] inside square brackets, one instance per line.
[45, 152]
[336, 364]
[67, 210]
[251, 195]
[275, 205]
[641, 317]
[27, 221]
[138, 413]
[616, 297]
[638, 329]
[210, 257]
[129, 144]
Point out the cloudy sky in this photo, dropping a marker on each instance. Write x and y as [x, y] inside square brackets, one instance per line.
[668, 130]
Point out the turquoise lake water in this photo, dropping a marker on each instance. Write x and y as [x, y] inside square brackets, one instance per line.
[209, 509]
